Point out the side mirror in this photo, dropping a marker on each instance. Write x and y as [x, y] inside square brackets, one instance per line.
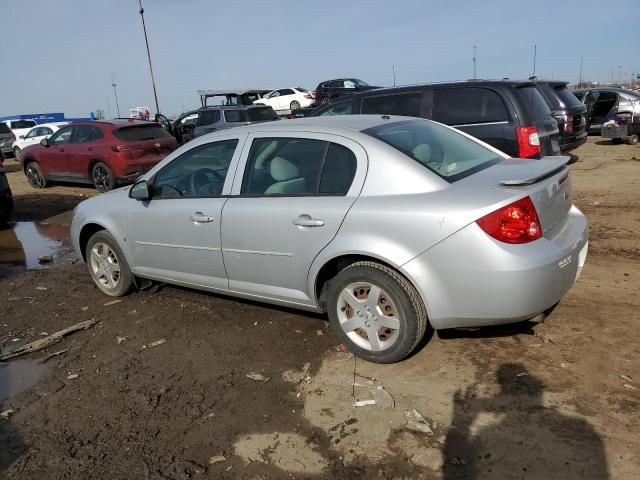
[21, 137]
[140, 191]
[44, 142]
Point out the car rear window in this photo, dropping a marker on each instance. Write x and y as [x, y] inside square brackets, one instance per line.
[533, 102]
[446, 152]
[467, 105]
[251, 115]
[23, 124]
[4, 128]
[141, 132]
[559, 96]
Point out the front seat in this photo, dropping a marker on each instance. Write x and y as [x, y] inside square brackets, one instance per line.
[287, 177]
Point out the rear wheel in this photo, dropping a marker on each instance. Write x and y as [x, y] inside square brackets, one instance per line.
[633, 139]
[376, 312]
[102, 177]
[17, 153]
[35, 177]
[107, 265]
[324, 100]
[295, 105]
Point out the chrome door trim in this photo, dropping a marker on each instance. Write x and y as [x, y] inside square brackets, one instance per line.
[171, 245]
[456, 125]
[258, 252]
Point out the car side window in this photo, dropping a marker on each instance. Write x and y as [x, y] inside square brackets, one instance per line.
[199, 172]
[45, 131]
[297, 166]
[62, 136]
[350, 84]
[286, 91]
[208, 117]
[275, 94]
[338, 171]
[457, 106]
[344, 108]
[33, 133]
[407, 104]
[82, 134]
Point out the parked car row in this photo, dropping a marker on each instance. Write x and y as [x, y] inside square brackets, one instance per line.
[604, 103]
[10, 131]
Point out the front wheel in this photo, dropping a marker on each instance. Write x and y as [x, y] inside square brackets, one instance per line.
[35, 177]
[633, 139]
[17, 153]
[295, 105]
[376, 312]
[102, 177]
[107, 265]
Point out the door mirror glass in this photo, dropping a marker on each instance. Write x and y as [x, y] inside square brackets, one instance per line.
[140, 191]
[21, 137]
[44, 142]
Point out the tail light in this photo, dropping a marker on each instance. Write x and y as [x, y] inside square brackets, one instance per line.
[516, 223]
[528, 141]
[291, 116]
[568, 123]
[308, 95]
[132, 150]
[316, 93]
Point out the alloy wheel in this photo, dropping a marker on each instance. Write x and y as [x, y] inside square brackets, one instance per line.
[295, 105]
[101, 178]
[33, 177]
[17, 153]
[105, 266]
[368, 316]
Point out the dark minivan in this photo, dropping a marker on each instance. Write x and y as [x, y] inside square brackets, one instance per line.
[569, 112]
[510, 115]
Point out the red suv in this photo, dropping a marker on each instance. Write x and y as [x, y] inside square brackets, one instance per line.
[104, 153]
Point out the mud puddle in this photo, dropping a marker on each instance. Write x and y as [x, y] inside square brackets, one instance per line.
[23, 244]
[17, 376]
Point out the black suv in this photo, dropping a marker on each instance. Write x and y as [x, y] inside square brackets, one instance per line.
[331, 89]
[569, 112]
[510, 115]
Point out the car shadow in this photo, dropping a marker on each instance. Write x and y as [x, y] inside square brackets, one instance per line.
[492, 331]
[513, 434]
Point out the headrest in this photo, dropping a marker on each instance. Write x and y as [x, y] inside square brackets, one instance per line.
[282, 169]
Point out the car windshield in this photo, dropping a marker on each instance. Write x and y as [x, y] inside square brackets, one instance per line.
[141, 132]
[360, 82]
[442, 150]
[23, 124]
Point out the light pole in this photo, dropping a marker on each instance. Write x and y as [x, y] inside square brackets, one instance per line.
[115, 92]
[475, 60]
[619, 74]
[146, 41]
[580, 81]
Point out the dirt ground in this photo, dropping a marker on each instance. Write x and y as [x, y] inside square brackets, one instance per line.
[554, 400]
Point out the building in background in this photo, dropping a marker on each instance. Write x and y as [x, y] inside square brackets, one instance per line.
[46, 117]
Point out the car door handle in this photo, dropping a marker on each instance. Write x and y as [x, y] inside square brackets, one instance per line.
[306, 221]
[200, 217]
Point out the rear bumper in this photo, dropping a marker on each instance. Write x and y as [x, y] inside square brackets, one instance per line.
[471, 280]
[572, 142]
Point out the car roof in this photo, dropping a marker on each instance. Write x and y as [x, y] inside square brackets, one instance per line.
[51, 124]
[230, 107]
[233, 91]
[116, 122]
[329, 123]
[463, 83]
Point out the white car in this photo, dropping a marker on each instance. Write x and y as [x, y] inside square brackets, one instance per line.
[287, 99]
[33, 136]
[18, 127]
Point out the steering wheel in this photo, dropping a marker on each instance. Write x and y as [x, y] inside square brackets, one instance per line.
[202, 177]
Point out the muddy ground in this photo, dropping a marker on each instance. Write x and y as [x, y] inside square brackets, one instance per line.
[556, 400]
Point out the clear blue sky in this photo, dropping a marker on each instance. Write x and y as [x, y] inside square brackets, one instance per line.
[58, 55]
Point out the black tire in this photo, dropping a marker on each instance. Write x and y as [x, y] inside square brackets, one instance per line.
[122, 283]
[616, 141]
[295, 105]
[17, 153]
[34, 174]
[102, 177]
[412, 314]
[324, 100]
[633, 139]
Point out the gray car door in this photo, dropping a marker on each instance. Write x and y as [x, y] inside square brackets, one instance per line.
[176, 234]
[287, 205]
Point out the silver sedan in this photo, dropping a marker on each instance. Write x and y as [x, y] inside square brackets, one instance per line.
[391, 225]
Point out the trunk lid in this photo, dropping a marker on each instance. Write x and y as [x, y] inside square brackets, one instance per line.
[546, 181]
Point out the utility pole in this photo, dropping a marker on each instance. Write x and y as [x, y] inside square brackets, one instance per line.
[620, 74]
[611, 75]
[475, 60]
[535, 53]
[580, 81]
[394, 75]
[146, 41]
[115, 92]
